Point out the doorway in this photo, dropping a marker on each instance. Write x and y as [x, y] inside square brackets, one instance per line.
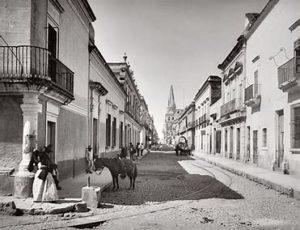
[231, 143]
[255, 152]
[248, 144]
[280, 137]
[51, 138]
[52, 48]
[238, 143]
[95, 137]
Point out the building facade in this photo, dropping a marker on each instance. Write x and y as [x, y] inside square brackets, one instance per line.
[186, 125]
[132, 114]
[57, 89]
[233, 109]
[207, 96]
[273, 73]
[106, 108]
[44, 84]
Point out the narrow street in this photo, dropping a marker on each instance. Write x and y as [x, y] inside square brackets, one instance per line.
[168, 197]
[187, 201]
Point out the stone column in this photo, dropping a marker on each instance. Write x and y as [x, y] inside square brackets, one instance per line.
[24, 178]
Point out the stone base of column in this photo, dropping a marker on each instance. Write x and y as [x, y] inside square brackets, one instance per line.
[23, 184]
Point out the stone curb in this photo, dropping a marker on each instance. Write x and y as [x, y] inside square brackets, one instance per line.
[278, 187]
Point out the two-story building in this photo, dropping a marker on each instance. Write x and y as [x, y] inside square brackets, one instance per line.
[233, 110]
[132, 115]
[207, 95]
[106, 107]
[273, 81]
[44, 84]
[186, 125]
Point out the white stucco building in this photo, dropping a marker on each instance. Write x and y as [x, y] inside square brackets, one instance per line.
[273, 68]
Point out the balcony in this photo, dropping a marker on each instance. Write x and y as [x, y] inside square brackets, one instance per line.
[252, 95]
[33, 68]
[232, 111]
[289, 75]
[129, 109]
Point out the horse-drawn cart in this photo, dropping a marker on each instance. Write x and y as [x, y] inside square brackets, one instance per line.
[182, 147]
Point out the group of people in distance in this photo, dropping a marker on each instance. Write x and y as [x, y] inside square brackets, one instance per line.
[134, 151]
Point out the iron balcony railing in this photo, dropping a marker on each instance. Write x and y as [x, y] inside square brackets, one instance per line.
[32, 62]
[230, 107]
[289, 71]
[252, 92]
[131, 110]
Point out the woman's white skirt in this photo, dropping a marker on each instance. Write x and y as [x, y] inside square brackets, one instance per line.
[44, 191]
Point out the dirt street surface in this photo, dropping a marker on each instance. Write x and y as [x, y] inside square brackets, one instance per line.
[167, 197]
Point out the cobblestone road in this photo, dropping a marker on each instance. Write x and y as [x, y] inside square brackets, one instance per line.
[167, 197]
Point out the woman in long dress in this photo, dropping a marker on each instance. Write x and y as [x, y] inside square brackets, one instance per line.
[44, 187]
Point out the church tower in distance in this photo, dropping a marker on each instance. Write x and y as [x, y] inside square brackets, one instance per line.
[170, 119]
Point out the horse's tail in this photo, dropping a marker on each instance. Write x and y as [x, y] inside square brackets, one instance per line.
[134, 171]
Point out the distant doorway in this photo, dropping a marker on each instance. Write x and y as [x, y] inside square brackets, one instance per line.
[255, 150]
[51, 140]
[238, 143]
[218, 141]
[95, 136]
[231, 143]
[280, 137]
[52, 48]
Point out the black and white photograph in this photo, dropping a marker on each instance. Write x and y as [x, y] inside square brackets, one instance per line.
[150, 114]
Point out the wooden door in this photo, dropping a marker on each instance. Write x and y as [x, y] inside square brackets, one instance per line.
[95, 136]
[52, 47]
[231, 143]
[238, 143]
[280, 137]
[51, 140]
[255, 150]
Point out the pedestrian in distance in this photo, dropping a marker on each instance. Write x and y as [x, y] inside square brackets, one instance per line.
[141, 148]
[123, 153]
[137, 147]
[131, 151]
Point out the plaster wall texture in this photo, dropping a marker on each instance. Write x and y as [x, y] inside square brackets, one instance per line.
[15, 18]
[273, 39]
[11, 124]
[202, 106]
[115, 95]
[235, 89]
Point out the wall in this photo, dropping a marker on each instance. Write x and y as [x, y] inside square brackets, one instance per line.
[15, 18]
[272, 39]
[11, 126]
[202, 106]
[115, 95]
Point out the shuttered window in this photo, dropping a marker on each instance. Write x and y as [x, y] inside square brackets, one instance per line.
[114, 132]
[108, 129]
[296, 127]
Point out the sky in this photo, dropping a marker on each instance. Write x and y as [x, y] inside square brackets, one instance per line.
[170, 42]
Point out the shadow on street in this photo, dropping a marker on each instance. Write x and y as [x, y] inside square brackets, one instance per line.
[161, 178]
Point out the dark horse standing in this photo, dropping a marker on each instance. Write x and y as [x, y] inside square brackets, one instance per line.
[115, 167]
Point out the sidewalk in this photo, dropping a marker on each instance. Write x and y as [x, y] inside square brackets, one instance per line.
[69, 196]
[287, 184]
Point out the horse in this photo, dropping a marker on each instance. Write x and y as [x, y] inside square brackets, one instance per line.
[115, 167]
[131, 171]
